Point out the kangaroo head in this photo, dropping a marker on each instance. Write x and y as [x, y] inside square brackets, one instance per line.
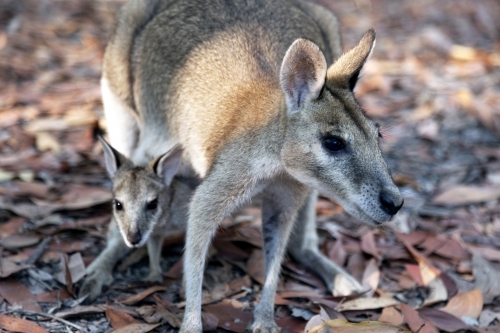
[330, 144]
[141, 193]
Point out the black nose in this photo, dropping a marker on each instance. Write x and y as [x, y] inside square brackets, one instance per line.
[388, 205]
[135, 237]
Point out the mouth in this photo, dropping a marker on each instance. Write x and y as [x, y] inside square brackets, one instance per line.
[360, 213]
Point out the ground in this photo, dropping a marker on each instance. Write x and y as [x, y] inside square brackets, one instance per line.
[433, 83]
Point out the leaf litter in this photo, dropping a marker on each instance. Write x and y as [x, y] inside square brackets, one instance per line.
[433, 85]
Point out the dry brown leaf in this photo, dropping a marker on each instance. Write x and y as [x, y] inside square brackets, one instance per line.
[391, 316]
[411, 317]
[118, 318]
[442, 320]
[459, 195]
[137, 328]
[437, 292]
[209, 322]
[368, 245]
[158, 314]
[255, 266]
[467, 304]
[7, 267]
[15, 242]
[16, 293]
[367, 304]
[371, 277]
[78, 197]
[81, 310]
[343, 326]
[486, 278]
[45, 141]
[142, 295]
[230, 317]
[15, 324]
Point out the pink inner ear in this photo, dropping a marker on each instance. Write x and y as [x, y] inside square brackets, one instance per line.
[303, 73]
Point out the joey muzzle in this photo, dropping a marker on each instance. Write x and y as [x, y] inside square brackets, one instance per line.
[134, 237]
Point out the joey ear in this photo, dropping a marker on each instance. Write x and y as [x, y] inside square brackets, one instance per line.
[302, 74]
[167, 165]
[113, 159]
[345, 71]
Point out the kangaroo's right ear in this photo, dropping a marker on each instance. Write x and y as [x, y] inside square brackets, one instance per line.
[303, 73]
[112, 157]
[167, 165]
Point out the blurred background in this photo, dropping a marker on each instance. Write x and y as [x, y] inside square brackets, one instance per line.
[433, 83]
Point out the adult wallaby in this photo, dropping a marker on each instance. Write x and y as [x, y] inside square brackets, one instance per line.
[244, 87]
[149, 204]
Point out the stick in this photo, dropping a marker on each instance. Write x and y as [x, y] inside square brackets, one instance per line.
[65, 322]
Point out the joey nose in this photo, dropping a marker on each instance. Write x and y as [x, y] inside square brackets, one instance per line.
[135, 238]
[387, 204]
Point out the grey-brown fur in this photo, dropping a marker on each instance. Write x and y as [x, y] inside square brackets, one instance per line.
[133, 188]
[249, 91]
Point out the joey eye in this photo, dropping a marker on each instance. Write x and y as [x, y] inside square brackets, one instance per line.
[118, 205]
[380, 135]
[152, 205]
[333, 143]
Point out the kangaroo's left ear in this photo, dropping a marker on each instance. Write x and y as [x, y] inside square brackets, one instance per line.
[167, 165]
[345, 71]
[302, 74]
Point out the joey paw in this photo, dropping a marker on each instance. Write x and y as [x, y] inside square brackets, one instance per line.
[346, 285]
[93, 284]
[153, 277]
[265, 328]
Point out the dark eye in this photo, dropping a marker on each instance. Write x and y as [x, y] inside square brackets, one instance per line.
[380, 135]
[333, 144]
[152, 204]
[118, 205]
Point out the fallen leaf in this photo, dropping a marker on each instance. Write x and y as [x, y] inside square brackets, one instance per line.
[459, 195]
[343, 326]
[467, 304]
[78, 197]
[230, 317]
[487, 316]
[367, 304]
[437, 292]
[45, 141]
[175, 272]
[15, 324]
[16, 293]
[368, 245]
[15, 242]
[137, 328]
[486, 277]
[12, 226]
[7, 267]
[81, 310]
[411, 317]
[209, 322]
[142, 295]
[371, 277]
[442, 320]
[391, 316]
[119, 319]
[255, 266]
[158, 314]
[53, 296]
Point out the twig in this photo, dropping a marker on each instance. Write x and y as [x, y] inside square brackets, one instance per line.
[65, 322]
[40, 249]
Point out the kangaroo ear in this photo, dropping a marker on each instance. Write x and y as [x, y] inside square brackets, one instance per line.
[167, 165]
[112, 157]
[345, 71]
[302, 74]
